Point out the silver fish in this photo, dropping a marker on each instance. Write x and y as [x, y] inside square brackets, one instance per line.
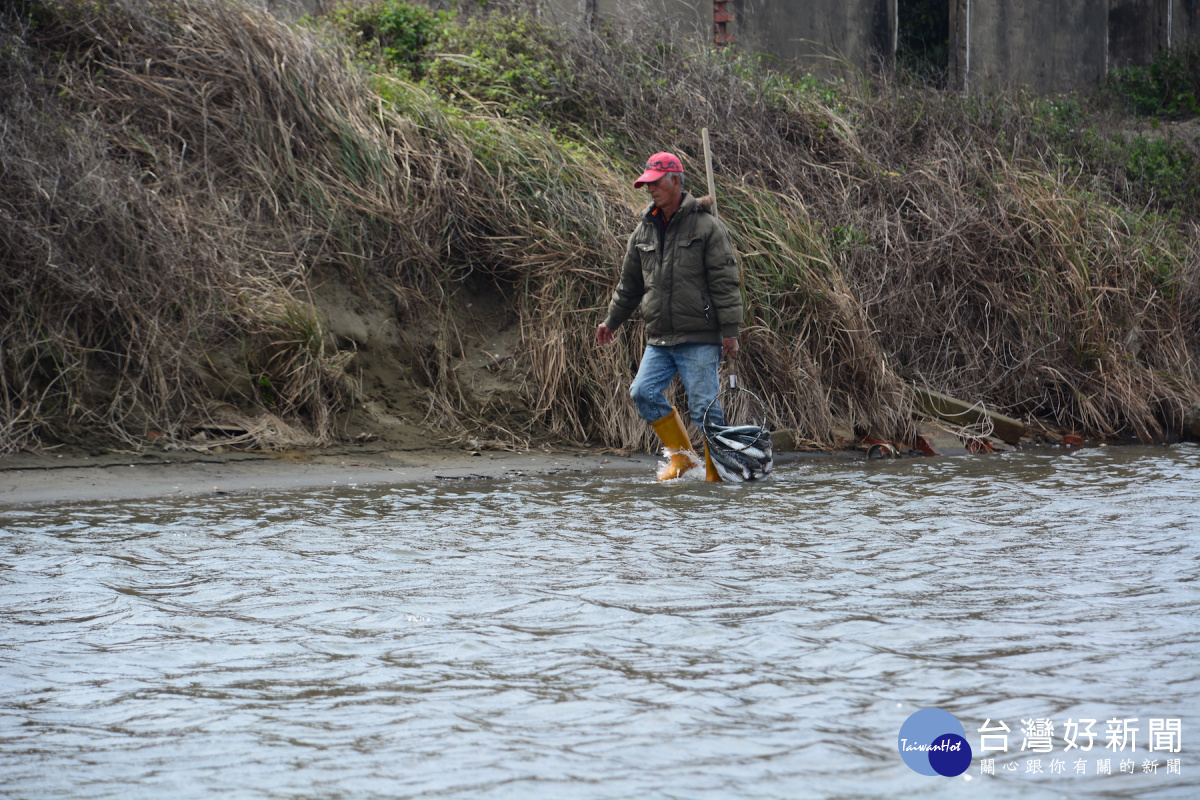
[737, 429]
[744, 449]
[742, 472]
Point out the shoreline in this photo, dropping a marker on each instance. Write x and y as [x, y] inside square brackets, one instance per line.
[39, 479]
[28, 479]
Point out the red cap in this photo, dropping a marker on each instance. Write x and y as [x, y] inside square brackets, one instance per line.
[658, 165]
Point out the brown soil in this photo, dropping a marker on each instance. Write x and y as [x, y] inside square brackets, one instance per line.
[393, 405]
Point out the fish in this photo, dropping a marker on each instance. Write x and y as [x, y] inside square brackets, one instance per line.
[727, 475]
[739, 452]
[726, 430]
[743, 472]
[747, 468]
[745, 449]
[753, 435]
[739, 431]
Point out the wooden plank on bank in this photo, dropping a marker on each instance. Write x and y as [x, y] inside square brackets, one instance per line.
[961, 413]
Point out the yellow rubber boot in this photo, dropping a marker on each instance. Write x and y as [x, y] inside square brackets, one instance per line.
[710, 472]
[672, 433]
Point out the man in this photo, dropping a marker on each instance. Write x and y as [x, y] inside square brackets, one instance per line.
[681, 271]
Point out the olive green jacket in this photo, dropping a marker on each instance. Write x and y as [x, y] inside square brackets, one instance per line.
[687, 286]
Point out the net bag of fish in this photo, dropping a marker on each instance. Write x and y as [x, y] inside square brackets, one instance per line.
[739, 452]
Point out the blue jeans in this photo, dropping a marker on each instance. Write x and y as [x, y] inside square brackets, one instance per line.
[696, 365]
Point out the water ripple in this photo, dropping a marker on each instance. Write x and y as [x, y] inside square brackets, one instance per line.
[594, 637]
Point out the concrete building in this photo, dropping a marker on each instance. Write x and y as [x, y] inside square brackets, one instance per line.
[1056, 45]
[1047, 45]
[820, 34]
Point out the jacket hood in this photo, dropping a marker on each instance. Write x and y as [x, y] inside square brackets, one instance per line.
[689, 205]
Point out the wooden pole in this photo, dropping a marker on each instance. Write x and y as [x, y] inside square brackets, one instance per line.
[712, 186]
[958, 412]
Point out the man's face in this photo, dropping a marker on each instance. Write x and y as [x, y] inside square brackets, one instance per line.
[664, 191]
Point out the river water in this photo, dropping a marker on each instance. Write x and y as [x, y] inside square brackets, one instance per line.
[599, 636]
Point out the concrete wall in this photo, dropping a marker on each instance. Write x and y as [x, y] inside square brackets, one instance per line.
[821, 34]
[1057, 45]
[1048, 45]
[1184, 20]
[1137, 30]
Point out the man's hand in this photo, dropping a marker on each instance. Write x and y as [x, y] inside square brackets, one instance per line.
[730, 347]
[604, 334]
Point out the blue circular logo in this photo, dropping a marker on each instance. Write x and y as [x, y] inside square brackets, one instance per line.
[934, 742]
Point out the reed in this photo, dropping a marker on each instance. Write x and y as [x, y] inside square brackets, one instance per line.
[177, 178]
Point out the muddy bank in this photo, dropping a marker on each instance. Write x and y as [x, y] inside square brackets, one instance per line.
[40, 479]
[372, 453]
[29, 479]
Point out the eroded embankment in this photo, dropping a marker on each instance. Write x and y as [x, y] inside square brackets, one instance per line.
[214, 219]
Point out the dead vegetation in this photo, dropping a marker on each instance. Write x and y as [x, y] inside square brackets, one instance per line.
[177, 181]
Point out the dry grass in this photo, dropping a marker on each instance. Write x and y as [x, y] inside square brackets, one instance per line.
[190, 170]
[151, 219]
[879, 241]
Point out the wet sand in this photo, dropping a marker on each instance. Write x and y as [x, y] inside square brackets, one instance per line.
[47, 478]
[36, 479]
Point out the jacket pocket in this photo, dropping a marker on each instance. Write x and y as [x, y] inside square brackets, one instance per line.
[648, 252]
[691, 254]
